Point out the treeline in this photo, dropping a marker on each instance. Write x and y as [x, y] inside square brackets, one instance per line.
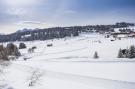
[127, 53]
[59, 32]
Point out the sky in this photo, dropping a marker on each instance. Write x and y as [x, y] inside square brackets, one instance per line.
[18, 14]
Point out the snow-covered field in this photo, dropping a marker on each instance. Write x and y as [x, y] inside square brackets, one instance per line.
[69, 64]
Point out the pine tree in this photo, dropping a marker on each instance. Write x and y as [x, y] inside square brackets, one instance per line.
[96, 55]
[127, 53]
[131, 53]
[120, 54]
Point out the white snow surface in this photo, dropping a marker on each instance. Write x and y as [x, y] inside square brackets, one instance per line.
[69, 64]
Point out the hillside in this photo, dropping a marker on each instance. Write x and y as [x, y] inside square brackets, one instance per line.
[69, 64]
[60, 32]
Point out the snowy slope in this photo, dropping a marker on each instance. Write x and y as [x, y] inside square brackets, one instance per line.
[80, 48]
[59, 80]
[69, 64]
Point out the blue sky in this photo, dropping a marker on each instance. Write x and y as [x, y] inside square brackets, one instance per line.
[19, 14]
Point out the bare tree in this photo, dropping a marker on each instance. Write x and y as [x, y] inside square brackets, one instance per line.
[36, 75]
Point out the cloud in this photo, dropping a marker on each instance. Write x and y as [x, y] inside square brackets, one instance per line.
[43, 13]
[30, 22]
[7, 18]
[19, 3]
[16, 11]
[12, 11]
[69, 12]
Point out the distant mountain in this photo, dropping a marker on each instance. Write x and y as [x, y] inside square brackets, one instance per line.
[23, 30]
[2, 34]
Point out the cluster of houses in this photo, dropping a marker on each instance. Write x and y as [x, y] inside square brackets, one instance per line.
[123, 35]
[119, 35]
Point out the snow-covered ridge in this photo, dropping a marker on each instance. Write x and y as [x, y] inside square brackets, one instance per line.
[23, 30]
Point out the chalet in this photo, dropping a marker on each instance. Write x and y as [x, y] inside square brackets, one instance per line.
[132, 35]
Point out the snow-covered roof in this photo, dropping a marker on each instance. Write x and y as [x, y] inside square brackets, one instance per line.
[121, 35]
